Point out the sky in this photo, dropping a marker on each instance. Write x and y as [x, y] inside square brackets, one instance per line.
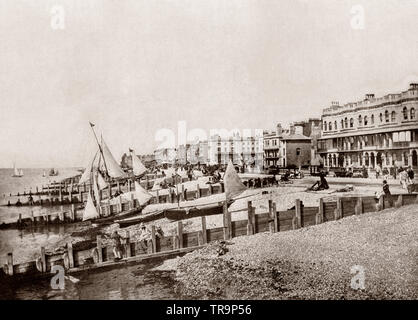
[136, 67]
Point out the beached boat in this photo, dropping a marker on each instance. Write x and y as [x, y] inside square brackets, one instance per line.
[192, 212]
[17, 173]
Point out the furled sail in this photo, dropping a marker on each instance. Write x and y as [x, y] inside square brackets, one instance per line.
[90, 211]
[16, 171]
[137, 167]
[110, 164]
[233, 183]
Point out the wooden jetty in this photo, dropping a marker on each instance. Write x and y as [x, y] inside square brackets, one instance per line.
[94, 255]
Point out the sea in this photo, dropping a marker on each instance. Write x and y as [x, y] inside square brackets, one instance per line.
[130, 282]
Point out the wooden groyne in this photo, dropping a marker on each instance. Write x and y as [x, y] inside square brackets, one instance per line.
[75, 211]
[95, 254]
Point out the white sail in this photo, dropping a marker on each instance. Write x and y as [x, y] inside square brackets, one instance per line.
[233, 183]
[111, 164]
[101, 181]
[142, 195]
[96, 190]
[21, 172]
[90, 211]
[85, 177]
[137, 167]
[15, 170]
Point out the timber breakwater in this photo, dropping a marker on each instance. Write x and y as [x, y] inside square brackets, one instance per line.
[94, 254]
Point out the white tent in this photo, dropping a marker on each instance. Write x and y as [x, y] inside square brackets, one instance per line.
[90, 211]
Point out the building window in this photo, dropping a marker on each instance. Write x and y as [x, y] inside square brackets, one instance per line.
[298, 151]
[393, 116]
[342, 124]
[365, 120]
[351, 123]
[330, 126]
[387, 116]
[412, 113]
[381, 117]
[405, 113]
[346, 122]
[359, 120]
[325, 126]
[372, 119]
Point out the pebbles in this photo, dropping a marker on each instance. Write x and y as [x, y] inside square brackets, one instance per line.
[312, 263]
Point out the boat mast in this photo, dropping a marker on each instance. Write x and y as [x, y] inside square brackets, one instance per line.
[100, 147]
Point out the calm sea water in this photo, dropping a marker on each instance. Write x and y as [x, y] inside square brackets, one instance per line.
[128, 282]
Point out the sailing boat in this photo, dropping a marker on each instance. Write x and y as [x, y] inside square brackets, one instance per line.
[44, 174]
[137, 167]
[17, 173]
[53, 172]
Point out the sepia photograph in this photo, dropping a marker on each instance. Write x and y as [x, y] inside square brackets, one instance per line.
[227, 151]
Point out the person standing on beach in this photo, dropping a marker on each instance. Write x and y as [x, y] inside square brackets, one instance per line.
[117, 245]
[387, 193]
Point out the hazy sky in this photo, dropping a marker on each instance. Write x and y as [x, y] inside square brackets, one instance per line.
[133, 67]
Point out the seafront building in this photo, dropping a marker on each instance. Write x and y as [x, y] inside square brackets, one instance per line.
[293, 147]
[374, 131]
[165, 156]
[246, 152]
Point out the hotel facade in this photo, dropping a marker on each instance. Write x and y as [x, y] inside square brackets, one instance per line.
[373, 132]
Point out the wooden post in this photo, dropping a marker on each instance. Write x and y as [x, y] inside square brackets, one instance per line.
[175, 242]
[180, 233]
[60, 193]
[204, 232]
[157, 196]
[320, 217]
[197, 191]
[73, 212]
[120, 205]
[200, 238]
[210, 190]
[298, 214]
[381, 204]
[250, 226]
[20, 218]
[358, 209]
[338, 213]
[43, 259]
[182, 196]
[271, 217]
[32, 216]
[153, 239]
[132, 201]
[128, 245]
[109, 188]
[226, 222]
[70, 254]
[99, 248]
[10, 264]
[276, 218]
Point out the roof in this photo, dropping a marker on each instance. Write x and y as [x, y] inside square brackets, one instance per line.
[295, 136]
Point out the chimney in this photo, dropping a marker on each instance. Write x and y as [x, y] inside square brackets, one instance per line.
[369, 96]
[279, 129]
[335, 103]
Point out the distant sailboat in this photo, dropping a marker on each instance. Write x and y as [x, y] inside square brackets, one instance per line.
[53, 172]
[17, 173]
[44, 174]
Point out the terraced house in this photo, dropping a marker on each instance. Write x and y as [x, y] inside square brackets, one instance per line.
[375, 131]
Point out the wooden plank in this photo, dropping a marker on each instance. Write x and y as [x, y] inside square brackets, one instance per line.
[276, 218]
[43, 259]
[153, 239]
[250, 226]
[128, 248]
[10, 270]
[204, 232]
[339, 210]
[226, 222]
[271, 217]
[99, 248]
[70, 254]
[180, 233]
[298, 214]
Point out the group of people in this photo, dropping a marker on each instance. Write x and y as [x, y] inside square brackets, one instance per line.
[144, 237]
